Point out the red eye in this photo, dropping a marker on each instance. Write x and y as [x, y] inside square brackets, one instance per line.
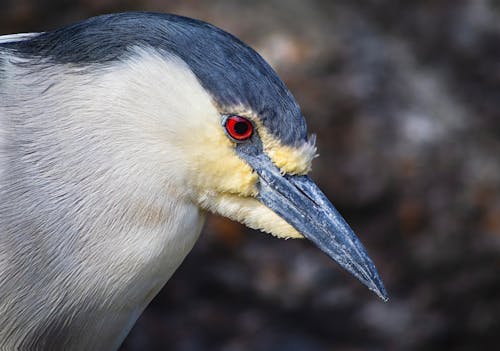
[239, 128]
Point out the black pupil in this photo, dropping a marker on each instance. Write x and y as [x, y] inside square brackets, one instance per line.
[240, 128]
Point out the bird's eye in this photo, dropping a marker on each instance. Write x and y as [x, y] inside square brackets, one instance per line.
[238, 128]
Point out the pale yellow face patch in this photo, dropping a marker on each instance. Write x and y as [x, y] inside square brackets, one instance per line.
[226, 184]
[290, 160]
[217, 168]
[251, 212]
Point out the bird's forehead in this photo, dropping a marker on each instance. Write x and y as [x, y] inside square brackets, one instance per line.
[230, 71]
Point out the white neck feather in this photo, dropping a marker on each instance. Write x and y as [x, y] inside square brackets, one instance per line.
[92, 221]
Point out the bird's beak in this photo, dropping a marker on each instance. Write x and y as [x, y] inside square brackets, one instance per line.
[302, 204]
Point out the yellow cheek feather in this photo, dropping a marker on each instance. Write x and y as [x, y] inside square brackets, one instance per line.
[250, 212]
[225, 184]
[290, 160]
[218, 169]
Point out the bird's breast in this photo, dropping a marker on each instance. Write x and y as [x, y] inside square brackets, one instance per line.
[161, 246]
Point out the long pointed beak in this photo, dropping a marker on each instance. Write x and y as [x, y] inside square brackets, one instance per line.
[302, 204]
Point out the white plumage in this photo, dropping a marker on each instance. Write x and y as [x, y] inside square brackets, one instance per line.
[95, 200]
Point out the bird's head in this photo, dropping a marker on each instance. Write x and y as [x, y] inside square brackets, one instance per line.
[205, 95]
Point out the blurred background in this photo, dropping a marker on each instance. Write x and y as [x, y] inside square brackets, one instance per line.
[405, 100]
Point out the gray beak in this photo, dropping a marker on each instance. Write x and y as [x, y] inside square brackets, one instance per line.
[302, 204]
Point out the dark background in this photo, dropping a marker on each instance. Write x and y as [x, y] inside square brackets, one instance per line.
[404, 97]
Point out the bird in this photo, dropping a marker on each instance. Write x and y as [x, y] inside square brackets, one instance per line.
[118, 134]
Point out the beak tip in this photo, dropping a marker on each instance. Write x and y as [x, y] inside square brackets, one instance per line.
[367, 274]
[378, 288]
[382, 294]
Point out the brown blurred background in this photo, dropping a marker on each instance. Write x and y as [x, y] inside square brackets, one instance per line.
[404, 97]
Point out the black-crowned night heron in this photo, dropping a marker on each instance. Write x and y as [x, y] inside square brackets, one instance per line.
[116, 135]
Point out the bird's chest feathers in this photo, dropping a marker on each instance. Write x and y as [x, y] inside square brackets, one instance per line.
[147, 253]
[146, 250]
